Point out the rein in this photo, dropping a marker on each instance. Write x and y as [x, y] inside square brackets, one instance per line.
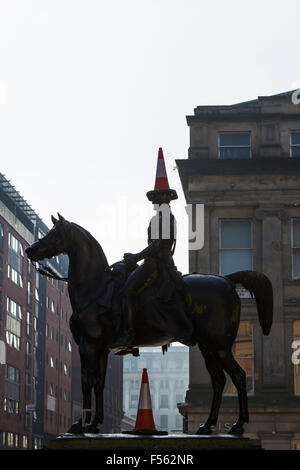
[47, 271]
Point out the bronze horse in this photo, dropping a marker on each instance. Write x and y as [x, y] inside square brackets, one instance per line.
[211, 305]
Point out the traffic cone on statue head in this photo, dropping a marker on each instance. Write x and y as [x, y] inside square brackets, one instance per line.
[161, 180]
[144, 421]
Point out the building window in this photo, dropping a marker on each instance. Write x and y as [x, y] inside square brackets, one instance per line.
[12, 390]
[244, 355]
[295, 144]
[41, 234]
[134, 401]
[297, 366]
[36, 302]
[1, 271]
[164, 421]
[28, 355]
[14, 276]
[179, 398]
[29, 294]
[178, 422]
[10, 439]
[27, 386]
[235, 145]
[12, 374]
[29, 324]
[235, 246]
[29, 268]
[37, 443]
[24, 441]
[11, 406]
[13, 324]
[164, 401]
[1, 237]
[296, 247]
[15, 260]
[15, 245]
[14, 309]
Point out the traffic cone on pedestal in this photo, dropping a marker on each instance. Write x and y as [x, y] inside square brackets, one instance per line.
[144, 424]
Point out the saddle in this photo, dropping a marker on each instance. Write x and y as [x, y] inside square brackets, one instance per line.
[160, 299]
[121, 271]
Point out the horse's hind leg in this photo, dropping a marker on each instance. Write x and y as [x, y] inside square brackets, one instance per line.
[238, 376]
[218, 380]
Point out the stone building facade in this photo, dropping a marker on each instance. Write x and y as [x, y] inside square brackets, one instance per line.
[243, 165]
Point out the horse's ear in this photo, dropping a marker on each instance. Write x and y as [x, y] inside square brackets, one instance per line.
[54, 220]
[61, 218]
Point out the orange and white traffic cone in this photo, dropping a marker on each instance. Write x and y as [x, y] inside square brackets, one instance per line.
[144, 421]
[161, 180]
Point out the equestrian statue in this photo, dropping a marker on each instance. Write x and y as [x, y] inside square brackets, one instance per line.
[128, 305]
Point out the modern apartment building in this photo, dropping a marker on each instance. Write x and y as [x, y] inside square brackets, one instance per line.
[40, 381]
[35, 382]
[243, 164]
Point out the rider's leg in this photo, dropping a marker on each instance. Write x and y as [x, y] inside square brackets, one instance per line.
[134, 282]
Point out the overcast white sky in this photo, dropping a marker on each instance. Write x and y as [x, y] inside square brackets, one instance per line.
[90, 89]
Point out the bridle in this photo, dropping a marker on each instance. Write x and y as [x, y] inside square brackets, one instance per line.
[47, 271]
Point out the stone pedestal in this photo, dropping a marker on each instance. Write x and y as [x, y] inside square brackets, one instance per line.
[177, 444]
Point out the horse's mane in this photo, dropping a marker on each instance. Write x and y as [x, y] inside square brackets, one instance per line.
[90, 239]
[83, 231]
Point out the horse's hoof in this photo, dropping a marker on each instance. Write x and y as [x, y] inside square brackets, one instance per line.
[237, 430]
[204, 430]
[76, 428]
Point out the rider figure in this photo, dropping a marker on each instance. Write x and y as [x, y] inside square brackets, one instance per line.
[157, 256]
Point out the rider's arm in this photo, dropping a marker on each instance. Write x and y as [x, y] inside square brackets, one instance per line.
[156, 244]
[151, 249]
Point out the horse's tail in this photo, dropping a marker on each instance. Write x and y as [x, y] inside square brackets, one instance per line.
[261, 288]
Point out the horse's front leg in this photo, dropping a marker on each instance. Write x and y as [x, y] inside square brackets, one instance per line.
[99, 382]
[87, 360]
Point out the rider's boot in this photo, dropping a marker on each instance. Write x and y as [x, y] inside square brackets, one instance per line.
[134, 351]
[126, 339]
[188, 341]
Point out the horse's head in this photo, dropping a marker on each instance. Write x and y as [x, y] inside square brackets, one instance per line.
[53, 244]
